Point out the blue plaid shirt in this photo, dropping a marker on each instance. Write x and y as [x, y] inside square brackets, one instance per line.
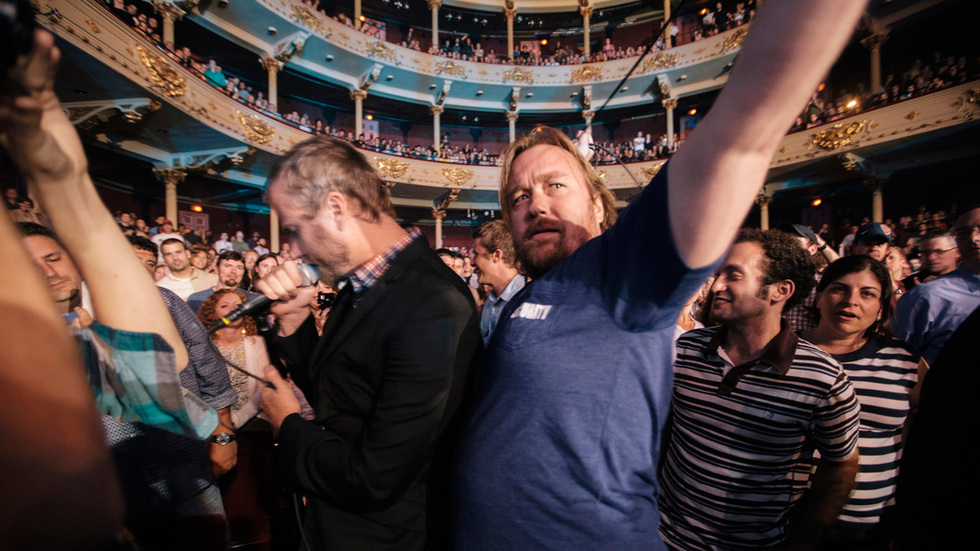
[367, 274]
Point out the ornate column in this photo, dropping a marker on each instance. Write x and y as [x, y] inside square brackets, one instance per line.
[510, 12]
[763, 201]
[667, 40]
[436, 110]
[874, 43]
[877, 199]
[169, 13]
[588, 115]
[273, 66]
[434, 5]
[357, 14]
[669, 106]
[512, 125]
[438, 215]
[170, 178]
[273, 231]
[586, 10]
[358, 97]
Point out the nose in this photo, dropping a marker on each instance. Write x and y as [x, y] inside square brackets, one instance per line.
[537, 203]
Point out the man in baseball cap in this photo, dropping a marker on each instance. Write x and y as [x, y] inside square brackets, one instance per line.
[874, 240]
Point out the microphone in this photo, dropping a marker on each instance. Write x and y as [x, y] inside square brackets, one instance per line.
[307, 272]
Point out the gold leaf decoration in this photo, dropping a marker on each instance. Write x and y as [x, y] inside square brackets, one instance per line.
[651, 171]
[451, 68]
[380, 51]
[517, 74]
[838, 135]
[306, 17]
[255, 128]
[973, 96]
[588, 73]
[162, 74]
[95, 28]
[457, 176]
[912, 115]
[734, 40]
[660, 61]
[392, 168]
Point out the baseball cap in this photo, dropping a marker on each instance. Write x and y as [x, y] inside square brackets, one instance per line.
[798, 230]
[874, 232]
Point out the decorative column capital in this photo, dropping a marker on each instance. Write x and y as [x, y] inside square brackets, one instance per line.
[510, 13]
[168, 10]
[874, 184]
[358, 95]
[436, 110]
[511, 116]
[435, 4]
[438, 214]
[169, 176]
[874, 41]
[670, 103]
[271, 64]
[586, 11]
[588, 115]
[763, 200]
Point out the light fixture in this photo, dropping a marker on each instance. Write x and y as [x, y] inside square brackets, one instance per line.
[197, 208]
[816, 202]
[544, 41]
[692, 112]
[682, 77]
[369, 117]
[479, 92]
[362, 18]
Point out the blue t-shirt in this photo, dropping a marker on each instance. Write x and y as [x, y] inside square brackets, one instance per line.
[561, 451]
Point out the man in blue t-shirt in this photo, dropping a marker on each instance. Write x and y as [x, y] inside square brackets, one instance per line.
[561, 450]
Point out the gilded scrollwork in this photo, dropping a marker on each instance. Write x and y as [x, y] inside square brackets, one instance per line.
[839, 135]
[516, 74]
[255, 128]
[660, 61]
[306, 17]
[457, 176]
[392, 168]
[162, 74]
[378, 50]
[588, 73]
[450, 68]
[734, 40]
[651, 171]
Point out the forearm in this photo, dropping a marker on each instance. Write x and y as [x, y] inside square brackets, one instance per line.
[830, 488]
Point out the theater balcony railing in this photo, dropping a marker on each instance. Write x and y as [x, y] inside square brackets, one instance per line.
[91, 28]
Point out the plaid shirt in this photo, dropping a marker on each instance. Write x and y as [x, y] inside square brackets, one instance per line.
[367, 274]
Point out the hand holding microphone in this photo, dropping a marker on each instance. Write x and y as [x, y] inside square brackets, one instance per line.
[283, 283]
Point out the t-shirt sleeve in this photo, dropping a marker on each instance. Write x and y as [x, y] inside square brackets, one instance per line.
[643, 272]
[837, 421]
[912, 320]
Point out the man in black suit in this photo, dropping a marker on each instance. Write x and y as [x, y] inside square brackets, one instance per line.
[389, 373]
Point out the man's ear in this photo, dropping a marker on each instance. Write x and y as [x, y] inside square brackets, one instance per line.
[497, 256]
[599, 210]
[781, 291]
[334, 207]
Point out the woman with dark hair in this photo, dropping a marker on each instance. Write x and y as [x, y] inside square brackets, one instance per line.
[854, 302]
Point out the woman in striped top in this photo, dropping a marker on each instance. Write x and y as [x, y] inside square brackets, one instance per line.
[854, 301]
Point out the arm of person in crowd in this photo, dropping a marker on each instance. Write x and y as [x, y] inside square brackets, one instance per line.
[48, 152]
[830, 488]
[718, 172]
[826, 250]
[59, 484]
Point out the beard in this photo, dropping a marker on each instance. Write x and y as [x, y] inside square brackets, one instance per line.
[537, 257]
[330, 256]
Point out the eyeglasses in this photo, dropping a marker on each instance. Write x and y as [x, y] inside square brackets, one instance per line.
[930, 252]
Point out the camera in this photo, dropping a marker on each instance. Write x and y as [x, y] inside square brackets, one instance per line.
[16, 31]
[324, 300]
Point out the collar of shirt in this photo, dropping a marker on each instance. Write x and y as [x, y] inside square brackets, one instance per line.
[510, 290]
[778, 353]
[364, 276]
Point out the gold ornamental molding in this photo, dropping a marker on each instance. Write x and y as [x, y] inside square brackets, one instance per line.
[588, 73]
[255, 128]
[378, 50]
[517, 74]
[162, 74]
[763, 200]
[669, 103]
[91, 25]
[734, 40]
[839, 135]
[651, 171]
[457, 176]
[306, 17]
[392, 168]
[973, 96]
[451, 68]
[660, 61]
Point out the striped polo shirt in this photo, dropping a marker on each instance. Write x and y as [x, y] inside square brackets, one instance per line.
[735, 464]
[883, 373]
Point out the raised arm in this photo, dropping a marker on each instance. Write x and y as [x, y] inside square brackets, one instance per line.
[716, 175]
[46, 148]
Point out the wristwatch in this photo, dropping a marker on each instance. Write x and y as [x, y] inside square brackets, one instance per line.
[223, 438]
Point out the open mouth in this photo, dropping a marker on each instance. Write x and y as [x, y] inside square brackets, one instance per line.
[847, 315]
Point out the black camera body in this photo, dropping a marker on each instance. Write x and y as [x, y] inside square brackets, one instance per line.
[16, 31]
[325, 300]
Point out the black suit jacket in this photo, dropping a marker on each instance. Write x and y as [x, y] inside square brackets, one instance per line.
[386, 381]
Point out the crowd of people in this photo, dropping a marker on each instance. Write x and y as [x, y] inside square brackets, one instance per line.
[813, 408]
